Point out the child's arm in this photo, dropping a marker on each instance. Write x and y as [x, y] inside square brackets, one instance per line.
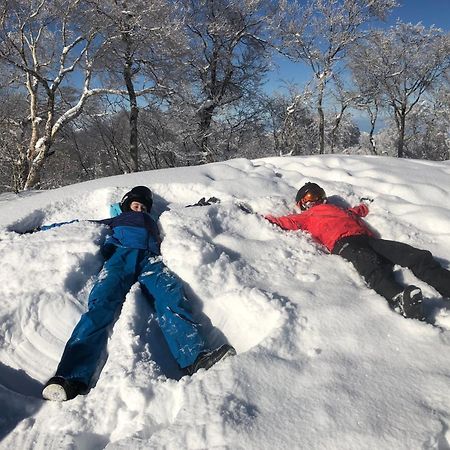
[361, 210]
[54, 225]
[291, 222]
[106, 222]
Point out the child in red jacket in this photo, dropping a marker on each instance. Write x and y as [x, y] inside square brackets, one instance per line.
[343, 232]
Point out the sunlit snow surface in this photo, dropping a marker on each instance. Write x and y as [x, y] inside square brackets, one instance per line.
[322, 363]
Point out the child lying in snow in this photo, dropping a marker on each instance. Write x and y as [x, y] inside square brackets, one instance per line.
[344, 233]
[132, 254]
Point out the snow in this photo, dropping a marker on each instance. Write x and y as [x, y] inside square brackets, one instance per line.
[322, 362]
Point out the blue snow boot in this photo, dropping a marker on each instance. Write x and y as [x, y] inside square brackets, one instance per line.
[207, 359]
[58, 389]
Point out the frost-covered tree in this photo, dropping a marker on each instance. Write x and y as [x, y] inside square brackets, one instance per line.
[43, 46]
[12, 127]
[369, 97]
[320, 34]
[342, 131]
[427, 133]
[142, 41]
[292, 123]
[240, 131]
[401, 65]
[228, 58]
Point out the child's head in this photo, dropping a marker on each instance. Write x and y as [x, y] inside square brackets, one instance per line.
[139, 199]
[309, 195]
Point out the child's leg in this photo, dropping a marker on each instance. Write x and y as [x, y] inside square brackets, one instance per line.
[175, 318]
[374, 269]
[421, 262]
[87, 345]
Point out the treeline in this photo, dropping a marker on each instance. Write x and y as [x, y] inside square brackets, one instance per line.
[91, 88]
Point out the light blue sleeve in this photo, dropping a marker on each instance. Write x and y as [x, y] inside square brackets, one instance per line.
[55, 225]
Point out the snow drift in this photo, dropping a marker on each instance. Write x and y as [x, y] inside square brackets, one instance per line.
[322, 361]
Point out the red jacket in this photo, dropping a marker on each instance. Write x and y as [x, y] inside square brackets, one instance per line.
[327, 223]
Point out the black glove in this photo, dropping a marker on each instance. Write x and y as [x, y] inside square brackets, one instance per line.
[203, 202]
[245, 208]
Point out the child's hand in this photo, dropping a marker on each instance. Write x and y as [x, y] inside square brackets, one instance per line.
[366, 200]
[270, 218]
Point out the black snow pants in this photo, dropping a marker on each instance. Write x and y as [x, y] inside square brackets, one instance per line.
[374, 259]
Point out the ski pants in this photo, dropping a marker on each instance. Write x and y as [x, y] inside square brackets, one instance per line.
[87, 345]
[374, 259]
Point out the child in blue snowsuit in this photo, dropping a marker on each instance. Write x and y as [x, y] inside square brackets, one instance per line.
[132, 254]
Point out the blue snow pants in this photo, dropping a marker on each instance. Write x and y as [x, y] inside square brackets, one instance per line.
[87, 345]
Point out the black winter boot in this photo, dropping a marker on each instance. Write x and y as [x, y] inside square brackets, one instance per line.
[409, 303]
[58, 389]
[207, 359]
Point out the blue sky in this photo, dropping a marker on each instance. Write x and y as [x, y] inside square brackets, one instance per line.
[428, 12]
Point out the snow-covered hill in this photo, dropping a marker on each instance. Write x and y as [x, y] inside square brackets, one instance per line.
[322, 363]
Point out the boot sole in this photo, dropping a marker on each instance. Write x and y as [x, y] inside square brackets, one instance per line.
[54, 393]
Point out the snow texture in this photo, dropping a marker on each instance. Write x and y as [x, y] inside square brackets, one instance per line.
[322, 362]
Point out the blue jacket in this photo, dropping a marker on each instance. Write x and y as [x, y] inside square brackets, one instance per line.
[129, 229]
[132, 230]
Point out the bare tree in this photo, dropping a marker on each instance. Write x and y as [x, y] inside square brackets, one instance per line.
[402, 64]
[52, 48]
[372, 106]
[292, 123]
[40, 41]
[369, 97]
[142, 40]
[321, 33]
[344, 99]
[12, 130]
[228, 57]
[427, 130]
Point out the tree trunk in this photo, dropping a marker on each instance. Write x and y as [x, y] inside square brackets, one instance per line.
[373, 145]
[40, 151]
[32, 87]
[401, 135]
[205, 116]
[335, 129]
[20, 169]
[133, 118]
[128, 73]
[321, 118]
[321, 130]
[373, 120]
[35, 168]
